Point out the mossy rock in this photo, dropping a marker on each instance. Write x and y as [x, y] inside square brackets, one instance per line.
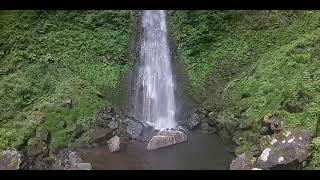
[10, 160]
[293, 106]
[265, 142]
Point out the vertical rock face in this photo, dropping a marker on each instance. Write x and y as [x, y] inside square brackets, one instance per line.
[134, 129]
[114, 144]
[166, 138]
[10, 160]
[194, 120]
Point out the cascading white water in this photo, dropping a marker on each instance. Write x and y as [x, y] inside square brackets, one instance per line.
[154, 92]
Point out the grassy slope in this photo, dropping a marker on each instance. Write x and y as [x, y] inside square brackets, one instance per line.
[48, 55]
[253, 63]
[262, 61]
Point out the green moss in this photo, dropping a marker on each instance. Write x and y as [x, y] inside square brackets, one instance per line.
[243, 148]
[14, 161]
[314, 164]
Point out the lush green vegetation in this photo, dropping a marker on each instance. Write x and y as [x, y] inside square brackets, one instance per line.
[314, 164]
[251, 64]
[46, 56]
[248, 64]
[255, 62]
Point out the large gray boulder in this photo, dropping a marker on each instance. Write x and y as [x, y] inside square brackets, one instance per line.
[114, 144]
[193, 120]
[134, 128]
[166, 138]
[284, 149]
[10, 160]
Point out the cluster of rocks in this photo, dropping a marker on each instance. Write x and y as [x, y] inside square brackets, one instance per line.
[286, 150]
[267, 147]
[113, 131]
[275, 147]
[65, 160]
[70, 160]
[200, 117]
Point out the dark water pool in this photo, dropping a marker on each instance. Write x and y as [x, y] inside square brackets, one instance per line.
[200, 152]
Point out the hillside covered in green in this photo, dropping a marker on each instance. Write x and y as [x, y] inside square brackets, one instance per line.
[243, 64]
[251, 64]
[46, 56]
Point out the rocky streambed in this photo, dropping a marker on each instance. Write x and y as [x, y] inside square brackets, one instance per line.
[201, 142]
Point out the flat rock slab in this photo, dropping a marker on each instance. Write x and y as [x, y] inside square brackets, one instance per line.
[81, 166]
[166, 138]
[101, 134]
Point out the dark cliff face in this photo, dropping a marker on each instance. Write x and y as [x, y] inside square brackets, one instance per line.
[185, 103]
[128, 80]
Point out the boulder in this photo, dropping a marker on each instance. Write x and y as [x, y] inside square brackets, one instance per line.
[134, 128]
[113, 124]
[36, 149]
[10, 160]
[242, 162]
[193, 120]
[166, 138]
[264, 130]
[273, 122]
[232, 124]
[114, 144]
[106, 116]
[74, 157]
[67, 102]
[101, 134]
[244, 124]
[286, 148]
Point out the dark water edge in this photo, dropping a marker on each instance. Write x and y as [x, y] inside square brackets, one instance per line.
[200, 152]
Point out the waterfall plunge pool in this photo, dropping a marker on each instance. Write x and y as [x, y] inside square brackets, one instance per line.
[200, 152]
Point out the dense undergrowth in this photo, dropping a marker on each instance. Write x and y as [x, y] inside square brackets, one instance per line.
[46, 56]
[258, 62]
[250, 64]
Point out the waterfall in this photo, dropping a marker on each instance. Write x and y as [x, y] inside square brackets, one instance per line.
[154, 100]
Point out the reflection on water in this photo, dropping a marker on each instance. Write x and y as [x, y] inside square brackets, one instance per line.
[201, 151]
